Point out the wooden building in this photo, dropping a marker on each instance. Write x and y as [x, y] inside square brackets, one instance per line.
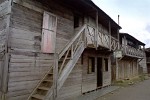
[147, 51]
[132, 54]
[54, 49]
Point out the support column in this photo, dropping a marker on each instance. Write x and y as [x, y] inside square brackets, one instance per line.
[55, 77]
[5, 69]
[110, 35]
[117, 68]
[96, 33]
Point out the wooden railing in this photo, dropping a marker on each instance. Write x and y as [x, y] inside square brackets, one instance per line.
[71, 47]
[114, 43]
[131, 51]
[91, 33]
[101, 39]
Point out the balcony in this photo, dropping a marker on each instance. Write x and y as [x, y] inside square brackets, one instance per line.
[100, 39]
[133, 52]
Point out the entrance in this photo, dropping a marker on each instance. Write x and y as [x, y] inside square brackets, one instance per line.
[99, 72]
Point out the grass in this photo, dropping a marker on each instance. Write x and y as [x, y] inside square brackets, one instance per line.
[132, 81]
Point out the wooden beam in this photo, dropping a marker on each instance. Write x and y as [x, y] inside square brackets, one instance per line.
[118, 39]
[110, 34]
[96, 35]
[55, 76]
[5, 73]
[5, 68]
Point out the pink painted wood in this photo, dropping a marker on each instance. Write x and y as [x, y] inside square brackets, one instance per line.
[49, 33]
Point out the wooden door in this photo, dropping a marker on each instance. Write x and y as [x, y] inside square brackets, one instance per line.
[99, 72]
[49, 33]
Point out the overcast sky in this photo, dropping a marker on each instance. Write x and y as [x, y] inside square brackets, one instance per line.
[134, 16]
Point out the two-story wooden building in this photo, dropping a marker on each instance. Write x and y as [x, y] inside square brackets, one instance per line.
[147, 51]
[132, 54]
[54, 49]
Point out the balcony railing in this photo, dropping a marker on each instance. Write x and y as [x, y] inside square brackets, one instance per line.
[130, 51]
[101, 39]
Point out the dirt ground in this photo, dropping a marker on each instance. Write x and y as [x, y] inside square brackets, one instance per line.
[139, 91]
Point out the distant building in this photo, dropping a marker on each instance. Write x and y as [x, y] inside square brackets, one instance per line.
[147, 50]
[132, 62]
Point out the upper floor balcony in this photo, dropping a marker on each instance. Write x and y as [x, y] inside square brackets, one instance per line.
[130, 46]
[132, 52]
[101, 39]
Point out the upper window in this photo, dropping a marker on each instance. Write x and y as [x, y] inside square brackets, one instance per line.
[105, 64]
[91, 65]
[48, 33]
[76, 21]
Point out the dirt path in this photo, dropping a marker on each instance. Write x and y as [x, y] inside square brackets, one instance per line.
[140, 91]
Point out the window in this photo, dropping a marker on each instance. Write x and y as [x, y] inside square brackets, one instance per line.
[48, 33]
[76, 21]
[91, 65]
[105, 64]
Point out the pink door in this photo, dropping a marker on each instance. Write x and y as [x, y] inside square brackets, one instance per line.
[49, 33]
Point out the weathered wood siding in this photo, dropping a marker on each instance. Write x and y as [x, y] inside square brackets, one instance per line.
[72, 86]
[27, 27]
[142, 63]
[79, 81]
[27, 63]
[101, 28]
[89, 81]
[5, 8]
[127, 69]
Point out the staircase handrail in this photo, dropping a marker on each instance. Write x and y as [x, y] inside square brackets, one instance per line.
[68, 45]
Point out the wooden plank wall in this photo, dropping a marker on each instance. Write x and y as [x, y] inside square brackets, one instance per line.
[89, 81]
[142, 64]
[101, 28]
[79, 81]
[72, 86]
[27, 63]
[127, 69]
[107, 75]
[4, 27]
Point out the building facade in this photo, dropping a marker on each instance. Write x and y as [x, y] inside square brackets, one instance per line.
[54, 49]
[132, 62]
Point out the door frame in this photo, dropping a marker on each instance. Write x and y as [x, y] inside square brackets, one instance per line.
[99, 72]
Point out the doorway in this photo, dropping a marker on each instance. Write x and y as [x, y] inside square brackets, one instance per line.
[99, 72]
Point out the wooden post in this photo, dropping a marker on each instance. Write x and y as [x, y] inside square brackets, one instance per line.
[96, 34]
[110, 35]
[118, 39]
[117, 68]
[55, 77]
[6, 53]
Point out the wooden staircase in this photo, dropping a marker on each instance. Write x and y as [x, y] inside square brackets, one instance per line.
[67, 59]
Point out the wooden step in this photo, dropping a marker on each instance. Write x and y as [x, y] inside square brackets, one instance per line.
[51, 73]
[61, 60]
[38, 96]
[43, 88]
[46, 80]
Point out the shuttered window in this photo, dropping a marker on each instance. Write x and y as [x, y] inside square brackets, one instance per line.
[49, 33]
[91, 65]
[106, 65]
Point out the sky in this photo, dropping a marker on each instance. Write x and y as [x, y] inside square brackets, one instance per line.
[134, 16]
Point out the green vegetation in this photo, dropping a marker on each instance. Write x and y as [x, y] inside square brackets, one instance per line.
[128, 82]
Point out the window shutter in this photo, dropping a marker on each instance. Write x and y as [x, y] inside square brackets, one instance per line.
[49, 33]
